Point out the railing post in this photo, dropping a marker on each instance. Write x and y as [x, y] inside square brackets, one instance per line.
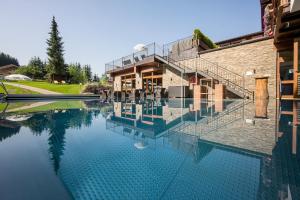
[244, 86]
[133, 58]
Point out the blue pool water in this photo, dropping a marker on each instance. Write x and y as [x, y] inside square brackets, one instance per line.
[164, 149]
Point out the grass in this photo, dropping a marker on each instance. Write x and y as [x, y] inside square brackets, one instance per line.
[13, 105]
[58, 105]
[16, 90]
[61, 88]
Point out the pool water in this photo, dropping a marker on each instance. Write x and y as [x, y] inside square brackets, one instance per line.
[163, 149]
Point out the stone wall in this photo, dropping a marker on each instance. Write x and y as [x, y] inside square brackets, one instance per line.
[258, 57]
[138, 81]
[117, 83]
[172, 77]
[238, 126]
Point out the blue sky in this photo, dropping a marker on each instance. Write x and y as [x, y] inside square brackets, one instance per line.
[97, 31]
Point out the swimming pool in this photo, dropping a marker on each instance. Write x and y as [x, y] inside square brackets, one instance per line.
[163, 149]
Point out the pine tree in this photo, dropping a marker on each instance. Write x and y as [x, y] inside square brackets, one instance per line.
[55, 51]
[87, 72]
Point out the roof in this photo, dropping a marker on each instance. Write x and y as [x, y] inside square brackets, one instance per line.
[8, 66]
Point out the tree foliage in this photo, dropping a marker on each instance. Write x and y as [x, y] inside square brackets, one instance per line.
[36, 69]
[6, 59]
[87, 73]
[198, 35]
[75, 73]
[56, 63]
[104, 80]
[96, 78]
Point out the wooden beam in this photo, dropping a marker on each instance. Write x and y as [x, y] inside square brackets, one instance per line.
[294, 136]
[278, 23]
[154, 76]
[296, 48]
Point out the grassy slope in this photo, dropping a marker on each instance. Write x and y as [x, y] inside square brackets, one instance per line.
[58, 105]
[13, 105]
[16, 90]
[61, 88]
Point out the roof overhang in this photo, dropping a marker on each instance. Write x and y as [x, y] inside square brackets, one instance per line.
[294, 5]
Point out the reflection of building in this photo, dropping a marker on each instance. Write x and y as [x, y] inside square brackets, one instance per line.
[149, 163]
[236, 124]
[152, 117]
[8, 129]
[7, 69]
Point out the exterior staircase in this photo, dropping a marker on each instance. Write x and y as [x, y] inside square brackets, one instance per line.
[234, 82]
[206, 125]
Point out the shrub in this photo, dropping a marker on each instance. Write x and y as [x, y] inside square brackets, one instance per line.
[94, 88]
[198, 35]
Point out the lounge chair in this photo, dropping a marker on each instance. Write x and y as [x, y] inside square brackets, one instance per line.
[127, 62]
[136, 59]
[55, 82]
[63, 82]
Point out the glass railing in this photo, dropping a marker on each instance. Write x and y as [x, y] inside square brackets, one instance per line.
[128, 61]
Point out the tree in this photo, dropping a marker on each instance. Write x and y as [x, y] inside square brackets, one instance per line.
[6, 59]
[36, 69]
[96, 78]
[104, 80]
[87, 73]
[56, 65]
[75, 73]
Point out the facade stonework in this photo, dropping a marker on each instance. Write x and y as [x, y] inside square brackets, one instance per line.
[249, 60]
[172, 77]
[117, 83]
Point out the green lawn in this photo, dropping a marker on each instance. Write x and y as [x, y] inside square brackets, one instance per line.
[13, 105]
[16, 90]
[61, 88]
[58, 105]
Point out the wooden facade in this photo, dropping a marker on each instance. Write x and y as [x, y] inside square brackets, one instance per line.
[286, 41]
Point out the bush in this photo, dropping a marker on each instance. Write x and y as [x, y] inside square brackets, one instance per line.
[198, 35]
[94, 88]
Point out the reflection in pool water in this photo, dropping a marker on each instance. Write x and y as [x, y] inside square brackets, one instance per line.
[164, 149]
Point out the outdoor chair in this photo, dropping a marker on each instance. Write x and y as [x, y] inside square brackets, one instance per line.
[55, 82]
[136, 59]
[127, 62]
[143, 56]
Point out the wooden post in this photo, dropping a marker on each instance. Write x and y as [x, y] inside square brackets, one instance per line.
[220, 92]
[278, 82]
[294, 136]
[261, 88]
[295, 85]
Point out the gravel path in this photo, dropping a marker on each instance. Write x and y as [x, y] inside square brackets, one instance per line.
[39, 90]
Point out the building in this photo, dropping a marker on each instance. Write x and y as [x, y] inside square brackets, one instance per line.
[264, 61]
[7, 69]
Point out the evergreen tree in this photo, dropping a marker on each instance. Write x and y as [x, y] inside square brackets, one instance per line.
[38, 68]
[87, 73]
[6, 59]
[55, 51]
[96, 78]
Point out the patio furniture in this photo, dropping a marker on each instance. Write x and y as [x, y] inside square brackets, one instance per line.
[136, 59]
[127, 62]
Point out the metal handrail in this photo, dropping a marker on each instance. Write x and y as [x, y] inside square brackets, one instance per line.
[4, 88]
[213, 70]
